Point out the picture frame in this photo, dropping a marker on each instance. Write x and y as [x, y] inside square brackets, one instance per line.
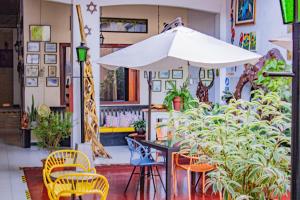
[33, 47]
[33, 58]
[156, 86]
[165, 74]
[31, 82]
[50, 47]
[52, 81]
[40, 33]
[146, 75]
[50, 59]
[177, 74]
[245, 14]
[168, 85]
[31, 70]
[52, 71]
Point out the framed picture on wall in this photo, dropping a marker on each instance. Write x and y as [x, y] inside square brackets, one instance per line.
[177, 74]
[168, 84]
[52, 82]
[165, 74]
[33, 47]
[245, 12]
[50, 47]
[156, 87]
[146, 75]
[40, 33]
[51, 71]
[33, 58]
[50, 59]
[31, 70]
[31, 82]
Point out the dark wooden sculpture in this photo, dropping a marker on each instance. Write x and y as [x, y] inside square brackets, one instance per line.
[250, 72]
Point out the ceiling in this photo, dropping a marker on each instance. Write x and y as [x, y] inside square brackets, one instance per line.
[8, 13]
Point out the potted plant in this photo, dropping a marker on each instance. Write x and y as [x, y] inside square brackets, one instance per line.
[32, 113]
[140, 127]
[179, 99]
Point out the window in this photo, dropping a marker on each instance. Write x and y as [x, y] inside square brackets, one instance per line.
[123, 25]
[118, 86]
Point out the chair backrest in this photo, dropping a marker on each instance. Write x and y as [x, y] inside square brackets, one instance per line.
[137, 150]
[85, 184]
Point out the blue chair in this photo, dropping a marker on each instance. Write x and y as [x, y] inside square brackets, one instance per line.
[140, 156]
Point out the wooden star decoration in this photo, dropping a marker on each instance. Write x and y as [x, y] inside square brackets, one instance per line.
[91, 7]
[87, 30]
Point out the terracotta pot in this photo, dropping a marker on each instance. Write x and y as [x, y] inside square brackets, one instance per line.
[177, 103]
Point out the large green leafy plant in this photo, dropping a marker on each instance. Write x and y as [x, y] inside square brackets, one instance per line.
[187, 100]
[245, 140]
[52, 128]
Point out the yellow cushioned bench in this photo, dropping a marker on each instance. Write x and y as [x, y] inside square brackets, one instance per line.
[116, 129]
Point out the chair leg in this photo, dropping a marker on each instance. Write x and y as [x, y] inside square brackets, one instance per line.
[137, 188]
[200, 175]
[160, 178]
[174, 181]
[152, 176]
[203, 182]
[130, 179]
[189, 183]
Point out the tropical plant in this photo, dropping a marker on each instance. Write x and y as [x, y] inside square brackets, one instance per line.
[139, 124]
[281, 85]
[187, 100]
[245, 140]
[227, 95]
[32, 111]
[51, 128]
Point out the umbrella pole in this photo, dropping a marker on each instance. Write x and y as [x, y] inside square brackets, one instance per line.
[149, 103]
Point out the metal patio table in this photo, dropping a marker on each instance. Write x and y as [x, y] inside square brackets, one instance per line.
[168, 149]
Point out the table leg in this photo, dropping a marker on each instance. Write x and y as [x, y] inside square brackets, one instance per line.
[169, 175]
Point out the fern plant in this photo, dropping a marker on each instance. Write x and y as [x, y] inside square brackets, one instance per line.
[245, 140]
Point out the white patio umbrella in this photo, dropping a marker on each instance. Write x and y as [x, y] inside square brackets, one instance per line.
[284, 42]
[175, 48]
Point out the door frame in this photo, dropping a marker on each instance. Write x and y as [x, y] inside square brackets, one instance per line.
[62, 71]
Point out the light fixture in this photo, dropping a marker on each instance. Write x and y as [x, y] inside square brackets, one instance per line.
[287, 11]
[81, 52]
[101, 38]
[101, 35]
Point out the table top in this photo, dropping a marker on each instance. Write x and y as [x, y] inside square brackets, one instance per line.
[56, 174]
[163, 145]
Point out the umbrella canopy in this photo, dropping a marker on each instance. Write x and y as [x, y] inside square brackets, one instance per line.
[175, 47]
[284, 42]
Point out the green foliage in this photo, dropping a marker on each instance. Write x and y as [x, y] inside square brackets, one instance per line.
[140, 124]
[51, 129]
[245, 140]
[227, 95]
[187, 99]
[32, 111]
[281, 85]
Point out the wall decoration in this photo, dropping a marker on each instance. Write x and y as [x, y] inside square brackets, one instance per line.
[232, 30]
[91, 7]
[87, 30]
[207, 77]
[32, 71]
[245, 12]
[177, 74]
[51, 71]
[146, 75]
[33, 47]
[168, 85]
[31, 82]
[165, 74]
[246, 42]
[252, 41]
[52, 82]
[50, 59]
[50, 47]
[40, 33]
[33, 59]
[241, 39]
[123, 25]
[156, 86]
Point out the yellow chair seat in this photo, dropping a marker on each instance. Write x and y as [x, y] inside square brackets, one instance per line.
[116, 129]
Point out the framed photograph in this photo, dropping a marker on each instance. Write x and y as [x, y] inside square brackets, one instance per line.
[52, 82]
[245, 12]
[40, 33]
[177, 74]
[31, 82]
[50, 47]
[165, 74]
[33, 58]
[33, 47]
[168, 84]
[32, 71]
[51, 71]
[156, 87]
[50, 59]
[146, 75]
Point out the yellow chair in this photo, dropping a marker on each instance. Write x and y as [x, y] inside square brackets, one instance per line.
[79, 184]
[65, 159]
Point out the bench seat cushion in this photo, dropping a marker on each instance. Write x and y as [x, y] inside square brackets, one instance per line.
[116, 129]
